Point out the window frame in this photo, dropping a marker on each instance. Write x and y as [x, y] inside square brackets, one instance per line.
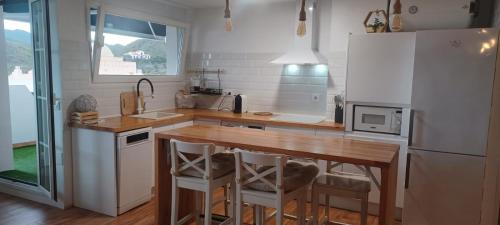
[104, 9]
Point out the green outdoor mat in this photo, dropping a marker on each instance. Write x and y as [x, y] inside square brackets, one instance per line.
[25, 166]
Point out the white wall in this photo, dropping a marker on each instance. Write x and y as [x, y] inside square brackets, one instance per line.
[6, 154]
[261, 33]
[270, 29]
[23, 114]
[72, 50]
[256, 29]
[348, 16]
[496, 14]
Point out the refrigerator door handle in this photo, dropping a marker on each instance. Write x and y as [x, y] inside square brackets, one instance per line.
[410, 128]
[407, 176]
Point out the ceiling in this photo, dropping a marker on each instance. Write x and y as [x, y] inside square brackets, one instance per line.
[219, 3]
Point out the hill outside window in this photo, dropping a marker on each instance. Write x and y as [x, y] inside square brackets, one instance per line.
[124, 47]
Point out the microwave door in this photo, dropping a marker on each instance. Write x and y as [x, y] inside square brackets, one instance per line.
[373, 120]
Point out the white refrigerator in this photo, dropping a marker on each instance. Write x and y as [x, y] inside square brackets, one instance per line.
[451, 101]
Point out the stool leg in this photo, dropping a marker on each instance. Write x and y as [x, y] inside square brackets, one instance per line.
[280, 212]
[232, 201]
[197, 206]
[208, 205]
[238, 206]
[327, 207]
[258, 215]
[301, 210]
[315, 206]
[364, 209]
[175, 202]
[226, 197]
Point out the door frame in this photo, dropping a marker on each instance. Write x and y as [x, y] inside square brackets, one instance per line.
[19, 189]
[52, 193]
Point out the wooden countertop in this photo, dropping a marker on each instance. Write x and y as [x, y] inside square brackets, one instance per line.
[127, 123]
[305, 146]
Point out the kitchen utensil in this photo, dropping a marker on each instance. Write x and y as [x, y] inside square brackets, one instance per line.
[240, 104]
[128, 103]
[263, 113]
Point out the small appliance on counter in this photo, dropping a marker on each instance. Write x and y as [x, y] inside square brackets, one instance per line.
[339, 109]
[240, 104]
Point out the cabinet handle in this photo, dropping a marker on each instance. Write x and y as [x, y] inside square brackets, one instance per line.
[407, 176]
[410, 133]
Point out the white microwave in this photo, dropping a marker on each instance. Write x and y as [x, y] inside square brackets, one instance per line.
[377, 119]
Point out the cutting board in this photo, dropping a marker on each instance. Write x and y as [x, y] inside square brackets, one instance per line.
[128, 103]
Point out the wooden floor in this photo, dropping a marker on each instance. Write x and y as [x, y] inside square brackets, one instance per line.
[16, 211]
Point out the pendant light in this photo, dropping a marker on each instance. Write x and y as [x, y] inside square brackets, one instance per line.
[227, 16]
[301, 29]
[396, 22]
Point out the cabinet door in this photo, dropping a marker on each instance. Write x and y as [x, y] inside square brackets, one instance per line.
[329, 133]
[206, 122]
[295, 130]
[452, 87]
[443, 189]
[183, 124]
[391, 81]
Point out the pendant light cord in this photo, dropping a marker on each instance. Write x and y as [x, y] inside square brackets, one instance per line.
[301, 29]
[227, 12]
[302, 15]
[227, 16]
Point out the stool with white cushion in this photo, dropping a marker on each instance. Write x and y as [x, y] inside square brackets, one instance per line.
[203, 174]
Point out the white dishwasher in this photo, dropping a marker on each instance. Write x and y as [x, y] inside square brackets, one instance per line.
[134, 170]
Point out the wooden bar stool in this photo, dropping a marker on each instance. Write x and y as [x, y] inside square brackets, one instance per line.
[340, 184]
[267, 180]
[204, 174]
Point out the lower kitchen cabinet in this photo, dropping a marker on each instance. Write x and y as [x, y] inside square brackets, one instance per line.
[206, 122]
[296, 130]
[184, 124]
[329, 133]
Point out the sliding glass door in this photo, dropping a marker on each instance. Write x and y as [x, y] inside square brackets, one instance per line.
[44, 96]
[6, 153]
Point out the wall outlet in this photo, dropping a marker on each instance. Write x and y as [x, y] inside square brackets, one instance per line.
[315, 97]
[230, 92]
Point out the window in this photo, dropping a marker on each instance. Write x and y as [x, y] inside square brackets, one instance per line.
[92, 21]
[126, 46]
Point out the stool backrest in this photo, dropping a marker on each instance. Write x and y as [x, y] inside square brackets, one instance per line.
[204, 151]
[248, 162]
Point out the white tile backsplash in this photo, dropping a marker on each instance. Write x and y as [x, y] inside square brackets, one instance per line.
[269, 87]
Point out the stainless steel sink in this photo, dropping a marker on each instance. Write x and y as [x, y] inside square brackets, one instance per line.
[157, 115]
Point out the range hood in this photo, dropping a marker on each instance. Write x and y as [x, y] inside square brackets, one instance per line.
[305, 49]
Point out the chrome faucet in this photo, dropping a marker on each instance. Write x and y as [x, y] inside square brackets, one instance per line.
[140, 101]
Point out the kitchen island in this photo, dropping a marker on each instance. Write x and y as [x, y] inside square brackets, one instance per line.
[372, 154]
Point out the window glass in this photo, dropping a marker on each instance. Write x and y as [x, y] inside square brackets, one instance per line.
[138, 47]
[373, 119]
[93, 15]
